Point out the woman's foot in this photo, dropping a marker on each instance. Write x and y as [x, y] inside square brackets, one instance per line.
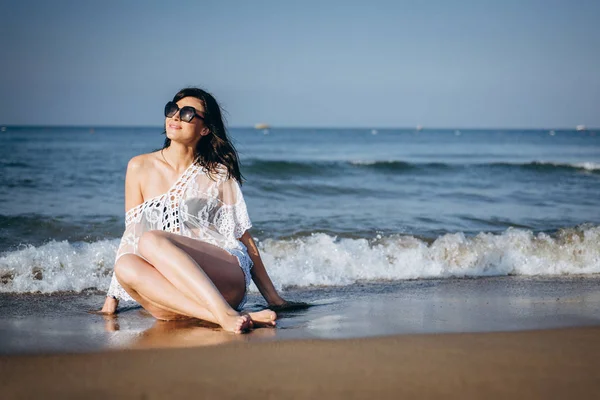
[236, 323]
[263, 318]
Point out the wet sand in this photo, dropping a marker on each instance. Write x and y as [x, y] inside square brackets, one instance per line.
[36, 324]
[561, 363]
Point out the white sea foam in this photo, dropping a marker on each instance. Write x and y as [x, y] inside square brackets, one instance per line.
[363, 162]
[321, 259]
[588, 166]
[373, 162]
[58, 266]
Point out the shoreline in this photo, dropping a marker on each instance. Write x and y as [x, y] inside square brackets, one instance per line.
[32, 324]
[525, 364]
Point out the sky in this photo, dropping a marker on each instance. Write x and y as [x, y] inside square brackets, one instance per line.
[443, 64]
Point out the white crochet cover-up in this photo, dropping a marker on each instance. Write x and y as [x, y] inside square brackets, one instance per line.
[198, 207]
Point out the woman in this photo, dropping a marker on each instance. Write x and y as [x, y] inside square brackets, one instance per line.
[186, 250]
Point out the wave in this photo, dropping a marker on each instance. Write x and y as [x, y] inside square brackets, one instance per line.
[300, 168]
[37, 229]
[399, 166]
[278, 168]
[14, 164]
[553, 166]
[325, 260]
[293, 168]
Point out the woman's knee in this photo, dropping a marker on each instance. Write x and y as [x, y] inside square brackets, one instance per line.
[149, 242]
[127, 270]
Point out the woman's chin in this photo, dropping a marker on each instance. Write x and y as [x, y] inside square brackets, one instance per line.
[180, 137]
[171, 135]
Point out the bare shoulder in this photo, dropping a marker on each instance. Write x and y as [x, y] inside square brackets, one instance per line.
[143, 162]
[136, 163]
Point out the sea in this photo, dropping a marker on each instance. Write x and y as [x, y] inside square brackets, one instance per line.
[331, 209]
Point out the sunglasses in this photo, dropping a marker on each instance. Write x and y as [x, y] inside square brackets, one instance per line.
[186, 114]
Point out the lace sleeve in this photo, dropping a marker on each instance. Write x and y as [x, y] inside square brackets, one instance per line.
[128, 245]
[233, 219]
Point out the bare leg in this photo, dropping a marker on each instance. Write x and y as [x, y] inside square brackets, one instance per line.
[182, 270]
[200, 271]
[223, 270]
[155, 293]
[141, 280]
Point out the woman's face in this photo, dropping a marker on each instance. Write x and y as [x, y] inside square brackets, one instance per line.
[188, 133]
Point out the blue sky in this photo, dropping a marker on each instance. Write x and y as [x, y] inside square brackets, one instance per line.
[530, 64]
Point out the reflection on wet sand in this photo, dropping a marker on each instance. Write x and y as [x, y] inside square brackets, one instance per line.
[111, 323]
[189, 332]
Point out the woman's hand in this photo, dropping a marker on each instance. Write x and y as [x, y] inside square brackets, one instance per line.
[284, 305]
[109, 308]
[263, 281]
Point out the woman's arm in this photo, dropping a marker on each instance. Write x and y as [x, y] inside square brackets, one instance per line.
[259, 273]
[110, 306]
[133, 197]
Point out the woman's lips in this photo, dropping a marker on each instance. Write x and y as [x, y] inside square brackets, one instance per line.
[174, 126]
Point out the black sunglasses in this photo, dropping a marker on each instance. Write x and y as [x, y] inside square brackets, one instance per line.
[186, 114]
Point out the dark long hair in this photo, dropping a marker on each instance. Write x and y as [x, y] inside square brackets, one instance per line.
[214, 148]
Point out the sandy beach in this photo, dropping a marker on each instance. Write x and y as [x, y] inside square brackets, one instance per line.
[420, 181]
[561, 363]
[482, 338]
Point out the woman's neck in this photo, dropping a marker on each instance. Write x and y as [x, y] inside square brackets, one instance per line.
[179, 157]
